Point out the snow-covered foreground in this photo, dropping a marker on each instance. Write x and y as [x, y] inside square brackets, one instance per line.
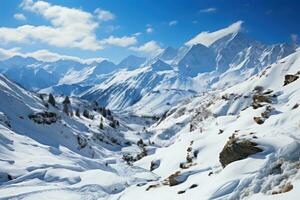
[194, 133]
[239, 143]
[70, 158]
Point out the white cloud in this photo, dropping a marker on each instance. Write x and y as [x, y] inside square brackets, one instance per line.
[104, 15]
[63, 32]
[7, 53]
[48, 56]
[137, 34]
[70, 27]
[149, 30]
[150, 47]
[209, 10]
[173, 23]
[45, 55]
[122, 41]
[207, 38]
[20, 16]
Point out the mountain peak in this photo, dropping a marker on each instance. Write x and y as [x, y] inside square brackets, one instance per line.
[20, 59]
[132, 62]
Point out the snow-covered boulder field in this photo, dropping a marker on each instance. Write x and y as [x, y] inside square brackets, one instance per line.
[48, 153]
[196, 140]
[239, 142]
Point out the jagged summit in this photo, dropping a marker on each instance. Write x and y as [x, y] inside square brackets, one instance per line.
[132, 62]
[198, 59]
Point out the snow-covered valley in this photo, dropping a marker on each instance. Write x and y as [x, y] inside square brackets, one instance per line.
[216, 120]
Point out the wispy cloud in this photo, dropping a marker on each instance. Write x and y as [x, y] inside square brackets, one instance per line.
[208, 10]
[137, 34]
[173, 23]
[149, 30]
[7, 53]
[119, 41]
[45, 55]
[20, 16]
[104, 15]
[207, 38]
[151, 47]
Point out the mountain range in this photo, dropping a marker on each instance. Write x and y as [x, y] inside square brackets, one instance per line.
[134, 82]
[210, 120]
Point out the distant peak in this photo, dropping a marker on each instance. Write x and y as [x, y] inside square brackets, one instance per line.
[132, 62]
[160, 65]
[208, 38]
[19, 58]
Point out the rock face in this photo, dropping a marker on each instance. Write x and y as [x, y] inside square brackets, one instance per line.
[289, 78]
[44, 117]
[259, 99]
[237, 150]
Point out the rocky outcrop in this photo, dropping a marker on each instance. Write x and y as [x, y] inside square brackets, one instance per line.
[44, 117]
[289, 78]
[237, 150]
[258, 99]
[154, 165]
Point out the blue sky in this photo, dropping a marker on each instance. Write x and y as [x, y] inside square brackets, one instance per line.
[114, 29]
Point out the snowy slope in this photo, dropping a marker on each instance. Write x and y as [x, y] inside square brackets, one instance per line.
[66, 157]
[149, 90]
[191, 136]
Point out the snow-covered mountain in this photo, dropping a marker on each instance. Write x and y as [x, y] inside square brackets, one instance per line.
[71, 147]
[180, 73]
[238, 143]
[229, 57]
[131, 62]
[242, 142]
[34, 75]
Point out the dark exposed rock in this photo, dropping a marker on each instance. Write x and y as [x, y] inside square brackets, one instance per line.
[258, 89]
[173, 179]
[237, 150]
[258, 99]
[154, 164]
[82, 142]
[181, 192]
[286, 188]
[289, 78]
[267, 113]
[193, 186]
[276, 169]
[259, 120]
[295, 106]
[44, 117]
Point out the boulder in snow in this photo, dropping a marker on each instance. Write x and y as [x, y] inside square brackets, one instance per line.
[237, 150]
[289, 78]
